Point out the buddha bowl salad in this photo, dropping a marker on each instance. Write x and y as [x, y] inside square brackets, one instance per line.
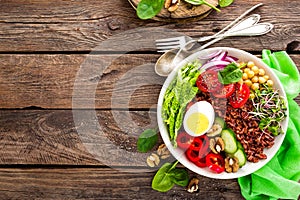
[246, 116]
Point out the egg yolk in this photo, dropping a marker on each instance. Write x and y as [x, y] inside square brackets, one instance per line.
[197, 122]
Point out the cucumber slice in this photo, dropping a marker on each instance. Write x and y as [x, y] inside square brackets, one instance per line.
[230, 142]
[219, 120]
[240, 146]
[241, 156]
[217, 127]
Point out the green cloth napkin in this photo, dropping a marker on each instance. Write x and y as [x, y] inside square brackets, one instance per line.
[279, 178]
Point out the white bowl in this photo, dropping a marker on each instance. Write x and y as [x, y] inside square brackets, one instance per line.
[179, 154]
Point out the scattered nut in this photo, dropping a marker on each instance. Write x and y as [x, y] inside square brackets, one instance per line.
[216, 145]
[215, 130]
[171, 5]
[231, 164]
[163, 151]
[153, 160]
[193, 185]
[168, 3]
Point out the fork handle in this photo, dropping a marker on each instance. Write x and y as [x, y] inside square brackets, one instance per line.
[245, 23]
[257, 29]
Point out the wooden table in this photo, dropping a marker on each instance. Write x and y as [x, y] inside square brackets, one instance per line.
[44, 46]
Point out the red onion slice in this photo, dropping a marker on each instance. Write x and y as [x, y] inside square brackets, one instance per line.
[222, 56]
[210, 56]
[215, 63]
[231, 59]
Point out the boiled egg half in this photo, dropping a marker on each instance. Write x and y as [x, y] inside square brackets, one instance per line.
[199, 118]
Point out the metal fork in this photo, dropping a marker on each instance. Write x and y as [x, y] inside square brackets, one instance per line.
[164, 45]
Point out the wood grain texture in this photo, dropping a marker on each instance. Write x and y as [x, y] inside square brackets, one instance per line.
[51, 81]
[93, 183]
[63, 137]
[81, 26]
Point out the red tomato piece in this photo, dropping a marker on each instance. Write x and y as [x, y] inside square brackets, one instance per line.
[240, 95]
[184, 140]
[225, 91]
[215, 162]
[208, 81]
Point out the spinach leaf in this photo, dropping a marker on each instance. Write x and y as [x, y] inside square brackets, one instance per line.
[180, 177]
[224, 3]
[147, 9]
[167, 176]
[230, 74]
[147, 140]
[162, 181]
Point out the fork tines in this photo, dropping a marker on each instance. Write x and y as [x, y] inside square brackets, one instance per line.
[163, 45]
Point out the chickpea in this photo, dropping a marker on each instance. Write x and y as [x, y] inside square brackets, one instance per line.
[255, 69]
[245, 76]
[254, 79]
[250, 74]
[266, 77]
[241, 81]
[270, 83]
[261, 72]
[250, 64]
[255, 86]
[248, 82]
[252, 96]
[261, 80]
[246, 70]
[240, 64]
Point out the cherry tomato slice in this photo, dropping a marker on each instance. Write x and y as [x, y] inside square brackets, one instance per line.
[184, 140]
[240, 95]
[215, 162]
[208, 81]
[225, 91]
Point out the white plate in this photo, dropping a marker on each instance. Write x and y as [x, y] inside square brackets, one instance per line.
[179, 154]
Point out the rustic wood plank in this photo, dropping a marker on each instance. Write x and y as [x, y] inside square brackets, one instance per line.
[81, 26]
[80, 138]
[94, 183]
[47, 81]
